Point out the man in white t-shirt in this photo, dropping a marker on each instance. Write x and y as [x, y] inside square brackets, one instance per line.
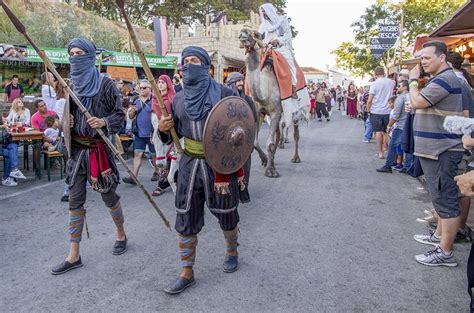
[47, 90]
[380, 91]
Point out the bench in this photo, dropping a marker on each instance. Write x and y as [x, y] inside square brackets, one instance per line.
[49, 157]
[126, 143]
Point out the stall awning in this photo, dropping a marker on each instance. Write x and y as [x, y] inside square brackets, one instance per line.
[235, 62]
[105, 58]
[449, 40]
[461, 22]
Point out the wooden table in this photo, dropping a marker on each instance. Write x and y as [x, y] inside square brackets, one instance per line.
[36, 137]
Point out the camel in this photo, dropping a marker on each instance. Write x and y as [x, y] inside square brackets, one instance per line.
[263, 89]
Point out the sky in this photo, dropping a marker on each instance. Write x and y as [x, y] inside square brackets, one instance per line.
[322, 26]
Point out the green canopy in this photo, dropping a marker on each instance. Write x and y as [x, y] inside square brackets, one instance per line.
[112, 58]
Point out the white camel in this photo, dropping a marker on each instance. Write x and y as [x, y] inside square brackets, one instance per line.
[263, 89]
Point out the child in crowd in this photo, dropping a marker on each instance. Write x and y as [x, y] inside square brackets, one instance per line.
[51, 133]
[398, 149]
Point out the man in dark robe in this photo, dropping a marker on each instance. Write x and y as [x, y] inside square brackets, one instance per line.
[91, 159]
[196, 185]
[236, 82]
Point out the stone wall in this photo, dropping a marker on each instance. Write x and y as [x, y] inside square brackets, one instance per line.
[222, 41]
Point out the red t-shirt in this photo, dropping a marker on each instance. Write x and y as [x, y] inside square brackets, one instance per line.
[37, 120]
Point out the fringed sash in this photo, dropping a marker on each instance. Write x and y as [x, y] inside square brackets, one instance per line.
[101, 173]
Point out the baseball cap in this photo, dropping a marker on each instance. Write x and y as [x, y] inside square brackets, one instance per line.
[404, 71]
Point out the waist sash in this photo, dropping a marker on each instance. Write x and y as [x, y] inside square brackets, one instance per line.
[194, 148]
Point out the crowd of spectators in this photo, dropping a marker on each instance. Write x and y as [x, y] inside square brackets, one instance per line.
[411, 139]
[48, 118]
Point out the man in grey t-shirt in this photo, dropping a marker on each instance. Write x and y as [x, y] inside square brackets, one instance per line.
[377, 104]
[398, 121]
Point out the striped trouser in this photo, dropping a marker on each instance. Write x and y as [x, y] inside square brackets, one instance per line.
[231, 239]
[187, 249]
[77, 219]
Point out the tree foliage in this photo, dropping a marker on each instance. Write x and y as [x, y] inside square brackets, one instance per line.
[178, 12]
[57, 33]
[420, 17]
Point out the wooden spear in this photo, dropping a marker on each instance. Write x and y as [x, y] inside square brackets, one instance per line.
[21, 28]
[149, 74]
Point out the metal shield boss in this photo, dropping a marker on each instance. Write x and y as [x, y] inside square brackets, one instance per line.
[229, 135]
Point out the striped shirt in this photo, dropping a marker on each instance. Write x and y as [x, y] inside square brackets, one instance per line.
[444, 95]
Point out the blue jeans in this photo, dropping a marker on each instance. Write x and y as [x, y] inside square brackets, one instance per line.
[395, 141]
[368, 129]
[7, 163]
[13, 154]
[407, 165]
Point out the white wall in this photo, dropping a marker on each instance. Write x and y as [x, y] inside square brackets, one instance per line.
[316, 78]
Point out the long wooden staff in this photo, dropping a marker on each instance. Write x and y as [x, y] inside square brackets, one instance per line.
[21, 28]
[149, 74]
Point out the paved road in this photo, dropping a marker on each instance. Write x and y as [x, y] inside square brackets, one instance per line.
[330, 234]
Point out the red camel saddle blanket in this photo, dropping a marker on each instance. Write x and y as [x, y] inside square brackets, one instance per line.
[282, 72]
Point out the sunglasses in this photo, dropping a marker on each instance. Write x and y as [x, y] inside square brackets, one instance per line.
[143, 88]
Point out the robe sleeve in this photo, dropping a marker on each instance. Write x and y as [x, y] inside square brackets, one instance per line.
[286, 38]
[114, 121]
[166, 137]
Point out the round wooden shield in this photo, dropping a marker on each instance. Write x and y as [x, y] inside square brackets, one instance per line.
[229, 135]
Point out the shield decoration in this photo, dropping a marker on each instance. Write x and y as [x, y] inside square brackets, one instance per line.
[229, 135]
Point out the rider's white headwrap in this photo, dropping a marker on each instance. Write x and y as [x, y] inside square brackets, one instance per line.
[275, 19]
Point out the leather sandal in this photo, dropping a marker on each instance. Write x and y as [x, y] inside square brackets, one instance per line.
[178, 285]
[231, 263]
[158, 192]
[120, 247]
[66, 267]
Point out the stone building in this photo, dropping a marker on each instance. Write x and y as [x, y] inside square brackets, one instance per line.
[220, 41]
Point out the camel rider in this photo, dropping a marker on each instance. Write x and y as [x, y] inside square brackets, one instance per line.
[277, 32]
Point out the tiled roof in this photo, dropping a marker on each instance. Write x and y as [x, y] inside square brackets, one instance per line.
[312, 70]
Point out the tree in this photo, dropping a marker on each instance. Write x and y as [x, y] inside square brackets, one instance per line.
[57, 33]
[178, 12]
[420, 16]
[139, 12]
[423, 16]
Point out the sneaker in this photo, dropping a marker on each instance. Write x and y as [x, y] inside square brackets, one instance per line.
[16, 173]
[397, 167]
[9, 182]
[384, 169]
[320, 120]
[328, 119]
[366, 141]
[429, 218]
[437, 257]
[463, 235]
[429, 212]
[65, 198]
[427, 239]
[128, 180]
